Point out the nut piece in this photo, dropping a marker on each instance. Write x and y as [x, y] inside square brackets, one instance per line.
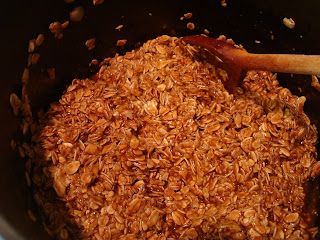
[289, 22]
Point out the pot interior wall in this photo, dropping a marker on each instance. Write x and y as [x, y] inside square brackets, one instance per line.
[244, 21]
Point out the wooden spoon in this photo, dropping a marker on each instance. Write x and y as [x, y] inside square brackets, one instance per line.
[237, 61]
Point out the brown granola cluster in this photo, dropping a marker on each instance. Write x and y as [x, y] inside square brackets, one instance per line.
[154, 147]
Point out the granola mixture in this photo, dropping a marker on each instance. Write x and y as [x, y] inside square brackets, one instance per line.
[154, 147]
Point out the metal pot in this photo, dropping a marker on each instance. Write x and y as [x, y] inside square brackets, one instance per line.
[245, 21]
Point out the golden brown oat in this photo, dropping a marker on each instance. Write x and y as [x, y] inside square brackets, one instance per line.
[206, 31]
[39, 40]
[77, 14]
[191, 26]
[60, 35]
[25, 128]
[34, 58]
[51, 73]
[121, 43]
[63, 233]
[15, 103]
[97, 2]
[31, 46]
[28, 179]
[93, 62]
[315, 82]
[65, 24]
[154, 143]
[55, 28]
[188, 15]
[32, 216]
[119, 27]
[90, 44]
[13, 144]
[223, 3]
[289, 22]
[25, 76]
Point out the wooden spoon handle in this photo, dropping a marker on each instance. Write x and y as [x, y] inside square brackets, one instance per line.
[285, 63]
[231, 55]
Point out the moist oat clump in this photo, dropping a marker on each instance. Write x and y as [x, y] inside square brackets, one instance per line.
[154, 147]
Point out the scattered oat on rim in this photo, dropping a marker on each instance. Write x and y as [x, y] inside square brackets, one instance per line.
[77, 14]
[315, 82]
[93, 62]
[121, 42]
[119, 27]
[15, 103]
[55, 28]
[39, 40]
[13, 144]
[154, 146]
[65, 24]
[32, 216]
[97, 2]
[188, 15]
[223, 3]
[289, 22]
[90, 43]
[51, 73]
[191, 26]
[31, 45]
